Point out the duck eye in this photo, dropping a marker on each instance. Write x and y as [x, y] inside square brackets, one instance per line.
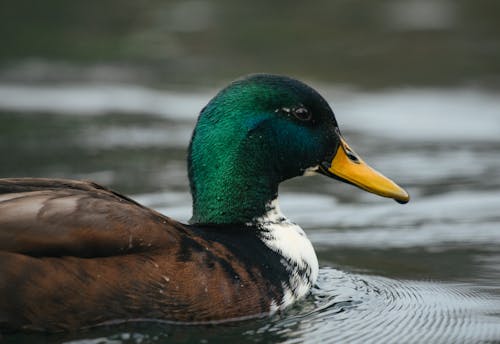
[302, 114]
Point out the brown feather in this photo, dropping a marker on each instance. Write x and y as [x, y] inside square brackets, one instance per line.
[74, 254]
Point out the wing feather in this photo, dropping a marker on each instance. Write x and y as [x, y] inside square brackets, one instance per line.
[56, 217]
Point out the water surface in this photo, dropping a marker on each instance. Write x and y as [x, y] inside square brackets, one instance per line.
[427, 271]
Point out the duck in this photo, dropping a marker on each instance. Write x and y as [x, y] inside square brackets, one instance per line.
[75, 254]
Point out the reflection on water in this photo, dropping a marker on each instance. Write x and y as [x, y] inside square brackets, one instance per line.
[423, 272]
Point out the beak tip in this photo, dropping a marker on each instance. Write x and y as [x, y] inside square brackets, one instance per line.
[403, 199]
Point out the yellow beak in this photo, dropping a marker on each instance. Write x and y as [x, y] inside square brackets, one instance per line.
[347, 166]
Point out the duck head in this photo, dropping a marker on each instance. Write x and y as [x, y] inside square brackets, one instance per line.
[260, 131]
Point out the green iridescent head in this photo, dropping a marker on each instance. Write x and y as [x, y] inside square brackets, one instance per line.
[254, 134]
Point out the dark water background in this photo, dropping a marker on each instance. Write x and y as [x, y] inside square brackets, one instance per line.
[110, 91]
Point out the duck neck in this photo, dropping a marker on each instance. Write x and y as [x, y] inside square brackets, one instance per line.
[231, 183]
[225, 195]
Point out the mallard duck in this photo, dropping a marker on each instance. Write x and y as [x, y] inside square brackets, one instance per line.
[74, 254]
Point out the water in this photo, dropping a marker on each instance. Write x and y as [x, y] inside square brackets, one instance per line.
[110, 92]
[423, 272]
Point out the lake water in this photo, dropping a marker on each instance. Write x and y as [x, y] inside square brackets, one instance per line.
[427, 271]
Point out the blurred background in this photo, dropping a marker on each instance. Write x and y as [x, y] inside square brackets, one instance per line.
[388, 43]
[110, 91]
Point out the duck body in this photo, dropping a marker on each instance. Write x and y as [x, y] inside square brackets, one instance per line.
[74, 254]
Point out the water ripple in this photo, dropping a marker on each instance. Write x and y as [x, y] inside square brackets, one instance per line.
[371, 309]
